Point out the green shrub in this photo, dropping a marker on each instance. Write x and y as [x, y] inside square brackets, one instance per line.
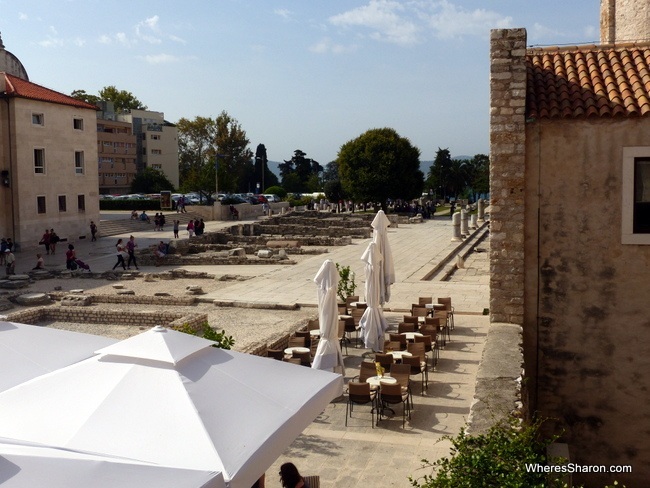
[204, 330]
[346, 284]
[276, 190]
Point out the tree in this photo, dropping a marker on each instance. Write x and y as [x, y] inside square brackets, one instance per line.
[151, 181]
[438, 177]
[263, 175]
[479, 175]
[300, 174]
[197, 151]
[86, 97]
[123, 100]
[233, 155]
[378, 165]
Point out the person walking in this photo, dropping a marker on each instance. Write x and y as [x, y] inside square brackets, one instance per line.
[54, 238]
[176, 226]
[121, 254]
[45, 240]
[10, 262]
[70, 258]
[130, 248]
[190, 228]
[93, 231]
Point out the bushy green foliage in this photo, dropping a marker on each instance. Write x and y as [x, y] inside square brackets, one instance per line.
[204, 330]
[276, 190]
[346, 284]
[297, 202]
[497, 458]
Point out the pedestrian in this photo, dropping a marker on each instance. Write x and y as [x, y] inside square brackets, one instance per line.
[161, 221]
[201, 228]
[130, 248]
[40, 262]
[93, 231]
[176, 225]
[45, 240]
[70, 258]
[3, 248]
[10, 244]
[156, 222]
[121, 254]
[10, 262]
[53, 240]
[190, 228]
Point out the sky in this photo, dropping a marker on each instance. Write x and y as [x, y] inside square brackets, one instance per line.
[296, 74]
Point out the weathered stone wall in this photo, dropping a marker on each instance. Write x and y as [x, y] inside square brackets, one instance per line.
[589, 292]
[507, 174]
[624, 21]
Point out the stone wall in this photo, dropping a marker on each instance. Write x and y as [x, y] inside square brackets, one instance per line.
[507, 174]
[624, 21]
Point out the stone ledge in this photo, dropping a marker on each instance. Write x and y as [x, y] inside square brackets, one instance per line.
[498, 381]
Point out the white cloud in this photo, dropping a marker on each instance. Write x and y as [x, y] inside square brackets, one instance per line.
[407, 22]
[122, 38]
[385, 18]
[104, 39]
[148, 30]
[79, 42]
[22, 16]
[177, 39]
[284, 13]
[326, 45]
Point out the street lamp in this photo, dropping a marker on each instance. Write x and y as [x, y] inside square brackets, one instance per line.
[261, 159]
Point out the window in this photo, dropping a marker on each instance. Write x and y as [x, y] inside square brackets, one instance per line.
[81, 203]
[79, 162]
[155, 137]
[78, 124]
[157, 166]
[156, 151]
[62, 203]
[40, 204]
[39, 161]
[38, 119]
[635, 223]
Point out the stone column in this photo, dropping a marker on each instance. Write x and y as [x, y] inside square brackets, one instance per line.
[472, 221]
[455, 225]
[507, 174]
[464, 227]
[481, 210]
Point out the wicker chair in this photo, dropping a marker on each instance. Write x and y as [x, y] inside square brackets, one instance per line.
[360, 393]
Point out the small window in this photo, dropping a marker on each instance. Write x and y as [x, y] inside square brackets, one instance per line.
[156, 151]
[81, 203]
[38, 119]
[62, 203]
[78, 124]
[155, 137]
[635, 223]
[40, 204]
[39, 161]
[79, 162]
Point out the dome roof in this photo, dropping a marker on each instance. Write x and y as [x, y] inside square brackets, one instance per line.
[11, 64]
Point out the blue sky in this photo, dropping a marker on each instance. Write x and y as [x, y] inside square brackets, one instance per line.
[298, 74]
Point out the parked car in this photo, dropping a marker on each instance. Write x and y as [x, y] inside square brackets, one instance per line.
[270, 197]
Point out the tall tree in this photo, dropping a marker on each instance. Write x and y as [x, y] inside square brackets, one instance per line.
[301, 174]
[263, 175]
[122, 100]
[196, 151]
[86, 97]
[151, 180]
[378, 165]
[233, 155]
[439, 171]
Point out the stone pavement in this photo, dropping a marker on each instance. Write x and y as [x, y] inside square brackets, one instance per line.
[359, 455]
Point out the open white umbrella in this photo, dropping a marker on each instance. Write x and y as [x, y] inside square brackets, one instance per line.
[28, 351]
[328, 355]
[373, 324]
[380, 225]
[170, 399]
[31, 465]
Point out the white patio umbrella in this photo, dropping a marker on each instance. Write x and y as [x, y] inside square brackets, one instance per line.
[373, 324]
[328, 355]
[31, 465]
[380, 225]
[28, 351]
[168, 398]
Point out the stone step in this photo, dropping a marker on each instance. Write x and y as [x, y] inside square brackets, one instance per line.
[128, 226]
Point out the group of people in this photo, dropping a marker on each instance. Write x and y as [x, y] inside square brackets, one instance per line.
[126, 253]
[158, 221]
[195, 227]
[49, 240]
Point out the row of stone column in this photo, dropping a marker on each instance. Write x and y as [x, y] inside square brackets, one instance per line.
[462, 222]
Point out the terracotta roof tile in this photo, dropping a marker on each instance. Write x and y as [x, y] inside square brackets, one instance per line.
[17, 87]
[588, 81]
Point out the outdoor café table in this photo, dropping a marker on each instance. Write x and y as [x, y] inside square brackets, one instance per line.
[434, 306]
[410, 336]
[398, 355]
[314, 332]
[289, 350]
[375, 381]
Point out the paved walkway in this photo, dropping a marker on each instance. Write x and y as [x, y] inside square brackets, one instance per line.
[359, 455]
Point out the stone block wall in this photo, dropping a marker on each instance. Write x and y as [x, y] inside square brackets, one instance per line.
[507, 174]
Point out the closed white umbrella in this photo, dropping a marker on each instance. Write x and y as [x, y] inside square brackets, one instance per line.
[380, 225]
[170, 399]
[373, 324]
[328, 355]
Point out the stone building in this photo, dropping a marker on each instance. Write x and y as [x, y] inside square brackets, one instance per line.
[570, 235]
[116, 151]
[48, 162]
